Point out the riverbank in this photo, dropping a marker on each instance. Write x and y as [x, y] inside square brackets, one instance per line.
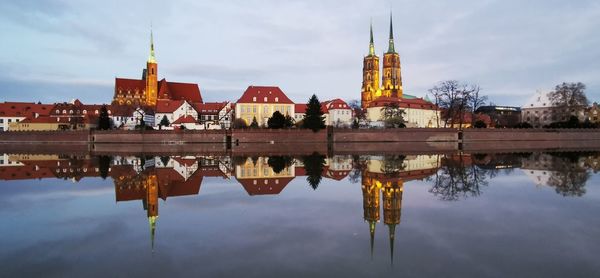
[273, 142]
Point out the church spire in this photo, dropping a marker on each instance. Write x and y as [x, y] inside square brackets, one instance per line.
[371, 43]
[391, 46]
[392, 236]
[152, 222]
[151, 59]
[372, 224]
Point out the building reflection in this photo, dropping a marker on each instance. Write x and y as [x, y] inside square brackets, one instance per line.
[383, 183]
[151, 178]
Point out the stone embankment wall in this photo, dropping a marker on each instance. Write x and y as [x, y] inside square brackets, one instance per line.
[158, 136]
[395, 135]
[278, 136]
[475, 135]
[44, 136]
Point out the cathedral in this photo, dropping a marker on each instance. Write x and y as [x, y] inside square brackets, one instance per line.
[146, 92]
[379, 92]
[391, 81]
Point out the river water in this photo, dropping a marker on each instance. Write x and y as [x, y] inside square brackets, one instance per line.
[429, 215]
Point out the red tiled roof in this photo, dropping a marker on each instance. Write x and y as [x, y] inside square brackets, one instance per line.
[270, 186]
[300, 108]
[334, 104]
[417, 103]
[125, 84]
[24, 109]
[187, 119]
[168, 106]
[209, 107]
[180, 91]
[257, 94]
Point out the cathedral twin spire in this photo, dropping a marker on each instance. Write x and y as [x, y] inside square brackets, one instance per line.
[391, 48]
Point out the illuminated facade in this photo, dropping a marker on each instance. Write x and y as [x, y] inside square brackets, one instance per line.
[261, 102]
[419, 112]
[148, 90]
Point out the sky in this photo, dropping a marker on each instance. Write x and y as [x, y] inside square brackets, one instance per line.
[54, 51]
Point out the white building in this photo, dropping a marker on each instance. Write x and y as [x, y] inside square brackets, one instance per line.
[337, 113]
[538, 111]
[178, 113]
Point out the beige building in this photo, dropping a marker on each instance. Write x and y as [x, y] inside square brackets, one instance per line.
[261, 102]
[419, 113]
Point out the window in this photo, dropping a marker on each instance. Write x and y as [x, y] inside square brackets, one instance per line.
[9, 120]
[1, 121]
[254, 99]
[265, 99]
[276, 99]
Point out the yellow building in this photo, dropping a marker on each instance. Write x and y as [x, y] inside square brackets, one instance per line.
[261, 102]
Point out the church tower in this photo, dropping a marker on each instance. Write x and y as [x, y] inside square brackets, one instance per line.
[151, 76]
[370, 85]
[371, 205]
[392, 206]
[392, 78]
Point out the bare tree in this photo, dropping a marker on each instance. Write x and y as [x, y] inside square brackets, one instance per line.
[455, 98]
[476, 100]
[568, 98]
[359, 113]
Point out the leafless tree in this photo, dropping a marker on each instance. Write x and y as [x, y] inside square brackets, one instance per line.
[568, 98]
[358, 112]
[455, 99]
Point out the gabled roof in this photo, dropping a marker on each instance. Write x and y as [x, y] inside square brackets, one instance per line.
[538, 100]
[209, 108]
[414, 103]
[187, 119]
[264, 94]
[270, 186]
[24, 109]
[126, 84]
[300, 108]
[168, 106]
[334, 104]
[179, 91]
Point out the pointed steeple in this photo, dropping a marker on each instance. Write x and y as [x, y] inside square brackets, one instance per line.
[151, 59]
[392, 235]
[152, 222]
[372, 224]
[391, 46]
[371, 43]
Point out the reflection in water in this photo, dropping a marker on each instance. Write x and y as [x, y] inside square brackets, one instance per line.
[382, 178]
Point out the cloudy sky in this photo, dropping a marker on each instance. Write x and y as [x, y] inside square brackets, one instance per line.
[58, 50]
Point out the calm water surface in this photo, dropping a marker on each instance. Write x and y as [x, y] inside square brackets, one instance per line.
[452, 215]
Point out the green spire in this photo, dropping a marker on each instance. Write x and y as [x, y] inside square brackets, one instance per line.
[371, 43]
[152, 222]
[392, 235]
[151, 59]
[391, 47]
[372, 232]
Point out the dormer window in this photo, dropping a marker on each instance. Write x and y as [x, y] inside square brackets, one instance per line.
[71, 112]
[84, 111]
[64, 111]
[276, 99]
[254, 99]
[265, 99]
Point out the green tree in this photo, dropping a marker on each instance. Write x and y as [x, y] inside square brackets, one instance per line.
[313, 117]
[276, 121]
[289, 121]
[164, 122]
[392, 115]
[314, 165]
[103, 119]
[479, 124]
[239, 123]
[279, 163]
[254, 123]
